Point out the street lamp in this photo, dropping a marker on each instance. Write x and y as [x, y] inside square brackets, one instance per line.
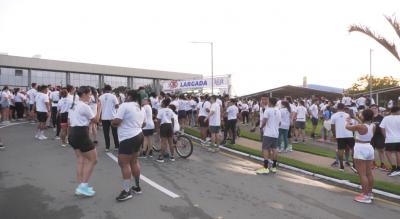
[212, 64]
[370, 73]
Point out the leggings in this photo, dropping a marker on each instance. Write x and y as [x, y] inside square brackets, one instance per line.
[106, 130]
[54, 116]
[230, 125]
[19, 106]
[245, 117]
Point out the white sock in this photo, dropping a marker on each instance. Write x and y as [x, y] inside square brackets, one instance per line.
[126, 185]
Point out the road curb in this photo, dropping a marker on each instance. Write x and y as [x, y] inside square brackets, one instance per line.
[327, 178]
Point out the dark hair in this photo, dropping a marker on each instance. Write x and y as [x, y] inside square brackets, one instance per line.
[368, 115]
[273, 101]
[94, 93]
[340, 106]
[63, 93]
[373, 105]
[107, 88]
[286, 105]
[34, 84]
[166, 102]
[395, 109]
[80, 91]
[5, 88]
[172, 107]
[43, 87]
[70, 88]
[213, 97]
[134, 95]
[301, 102]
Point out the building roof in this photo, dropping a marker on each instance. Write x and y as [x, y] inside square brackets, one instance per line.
[65, 66]
[294, 92]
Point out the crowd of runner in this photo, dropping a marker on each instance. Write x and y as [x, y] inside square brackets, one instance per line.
[135, 118]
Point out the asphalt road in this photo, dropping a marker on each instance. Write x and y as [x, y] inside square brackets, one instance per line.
[37, 180]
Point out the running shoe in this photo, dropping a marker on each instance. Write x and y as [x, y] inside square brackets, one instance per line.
[395, 172]
[363, 199]
[57, 138]
[42, 137]
[107, 150]
[262, 171]
[172, 158]
[136, 190]
[63, 145]
[371, 195]
[273, 170]
[341, 169]
[160, 159]
[1, 146]
[85, 190]
[347, 163]
[334, 164]
[151, 154]
[124, 195]
[37, 135]
[115, 149]
[295, 141]
[142, 156]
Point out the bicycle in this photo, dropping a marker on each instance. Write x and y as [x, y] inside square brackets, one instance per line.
[183, 144]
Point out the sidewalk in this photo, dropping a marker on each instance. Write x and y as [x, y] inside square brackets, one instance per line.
[316, 160]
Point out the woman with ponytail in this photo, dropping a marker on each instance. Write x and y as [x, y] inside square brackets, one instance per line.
[80, 117]
[130, 120]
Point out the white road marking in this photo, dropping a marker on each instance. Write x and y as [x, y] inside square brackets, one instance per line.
[11, 124]
[149, 181]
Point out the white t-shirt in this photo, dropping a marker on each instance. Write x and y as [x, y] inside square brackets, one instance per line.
[219, 102]
[215, 118]
[256, 108]
[285, 119]
[262, 114]
[245, 107]
[165, 115]
[6, 96]
[301, 113]
[54, 96]
[203, 107]
[188, 106]
[391, 124]
[19, 98]
[149, 117]
[181, 105]
[314, 111]
[273, 116]
[346, 101]
[64, 105]
[108, 102]
[155, 104]
[31, 95]
[80, 115]
[132, 120]
[176, 104]
[232, 112]
[193, 104]
[361, 101]
[93, 104]
[339, 120]
[41, 99]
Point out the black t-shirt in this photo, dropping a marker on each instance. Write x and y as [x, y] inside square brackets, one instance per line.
[377, 121]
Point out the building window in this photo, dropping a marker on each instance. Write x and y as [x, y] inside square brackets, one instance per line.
[14, 77]
[49, 78]
[77, 80]
[143, 82]
[116, 81]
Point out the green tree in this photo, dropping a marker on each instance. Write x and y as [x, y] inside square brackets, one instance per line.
[390, 46]
[362, 83]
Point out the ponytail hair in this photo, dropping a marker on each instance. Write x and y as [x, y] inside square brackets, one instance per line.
[79, 92]
[134, 95]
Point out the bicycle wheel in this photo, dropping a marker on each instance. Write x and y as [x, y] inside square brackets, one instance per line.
[184, 146]
[156, 143]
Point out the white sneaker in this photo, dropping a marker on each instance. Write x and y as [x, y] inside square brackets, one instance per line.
[54, 129]
[37, 135]
[63, 145]
[395, 173]
[57, 138]
[42, 137]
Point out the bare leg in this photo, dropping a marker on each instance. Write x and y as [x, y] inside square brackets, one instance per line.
[370, 176]
[91, 160]
[79, 167]
[124, 161]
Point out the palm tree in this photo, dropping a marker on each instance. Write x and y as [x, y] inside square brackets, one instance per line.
[390, 46]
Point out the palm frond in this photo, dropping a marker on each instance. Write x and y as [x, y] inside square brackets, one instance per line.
[390, 46]
[395, 24]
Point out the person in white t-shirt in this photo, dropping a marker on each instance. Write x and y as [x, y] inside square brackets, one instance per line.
[284, 126]
[31, 100]
[204, 109]
[314, 114]
[182, 117]
[109, 105]
[301, 115]
[344, 137]
[54, 98]
[63, 106]
[291, 132]
[165, 119]
[192, 116]
[390, 127]
[255, 113]
[5, 97]
[270, 125]
[130, 120]
[148, 130]
[232, 112]
[19, 100]
[245, 113]
[214, 118]
[42, 109]
[95, 106]
[80, 116]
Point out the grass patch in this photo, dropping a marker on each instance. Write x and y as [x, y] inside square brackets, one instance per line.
[255, 136]
[381, 185]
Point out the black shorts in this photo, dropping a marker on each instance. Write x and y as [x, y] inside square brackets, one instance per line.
[131, 145]
[166, 130]
[30, 107]
[79, 139]
[378, 142]
[64, 118]
[41, 116]
[342, 143]
[188, 112]
[148, 132]
[392, 147]
[202, 122]
[181, 114]
[314, 121]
